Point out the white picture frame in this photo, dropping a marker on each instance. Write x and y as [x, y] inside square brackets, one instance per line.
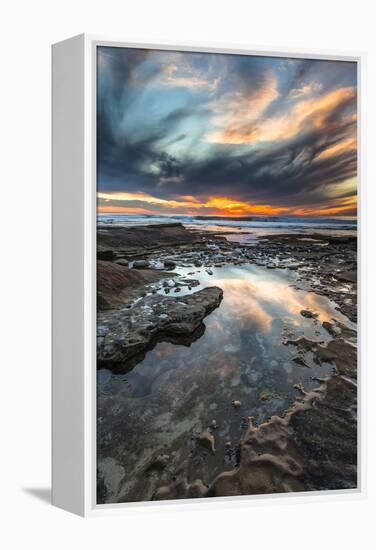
[74, 279]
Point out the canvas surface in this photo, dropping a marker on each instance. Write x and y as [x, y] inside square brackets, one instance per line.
[226, 275]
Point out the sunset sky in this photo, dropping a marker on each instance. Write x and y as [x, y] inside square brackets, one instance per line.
[229, 135]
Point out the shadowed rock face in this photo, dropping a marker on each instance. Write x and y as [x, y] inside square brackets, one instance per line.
[117, 284]
[128, 333]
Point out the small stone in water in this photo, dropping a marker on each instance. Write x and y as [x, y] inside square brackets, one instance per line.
[308, 314]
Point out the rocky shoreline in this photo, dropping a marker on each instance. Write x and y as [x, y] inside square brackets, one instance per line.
[124, 336]
[141, 301]
[311, 447]
[327, 264]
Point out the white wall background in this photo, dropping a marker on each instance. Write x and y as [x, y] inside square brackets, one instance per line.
[27, 30]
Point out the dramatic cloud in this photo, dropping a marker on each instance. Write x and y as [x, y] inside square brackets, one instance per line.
[193, 133]
[237, 112]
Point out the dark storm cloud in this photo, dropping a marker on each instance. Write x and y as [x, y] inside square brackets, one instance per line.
[278, 176]
[121, 160]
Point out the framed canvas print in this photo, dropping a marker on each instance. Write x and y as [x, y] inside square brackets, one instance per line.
[205, 274]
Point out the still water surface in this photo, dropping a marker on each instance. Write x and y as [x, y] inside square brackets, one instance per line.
[176, 391]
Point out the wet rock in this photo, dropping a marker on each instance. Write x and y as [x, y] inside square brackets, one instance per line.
[189, 282]
[332, 328]
[313, 447]
[122, 262]
[144, 238]
[300, 361]
[324, 265]
[130, 333]
[206, 440]
[308, 314]
[300, 388]
[110, 477]
[177, 489]
[170, 283]
[159, 463]
[117, 283]
[197, 489]
[169, 264]
[338, 351]
[268, 395]
[348, 276]
[105, 255]
[181, 489]
[246, 422]
[140, 264]
[232, 455]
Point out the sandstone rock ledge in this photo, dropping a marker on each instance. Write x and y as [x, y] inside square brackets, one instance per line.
[124, 335]
[312, 447]
[117, 284]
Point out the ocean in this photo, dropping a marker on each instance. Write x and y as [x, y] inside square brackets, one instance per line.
[244, 229]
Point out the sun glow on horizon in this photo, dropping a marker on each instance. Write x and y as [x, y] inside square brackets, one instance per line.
[144, 203]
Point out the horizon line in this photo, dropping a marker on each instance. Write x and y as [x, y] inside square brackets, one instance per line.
[217, 216]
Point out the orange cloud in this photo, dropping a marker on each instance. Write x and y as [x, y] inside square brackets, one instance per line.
[219, 206]
[312, 112]
[107, 209]
[339, 148]
[238, 110]
[334, 211]
[144, 197]
[224, 206]
[341, 205]
[232, 207]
